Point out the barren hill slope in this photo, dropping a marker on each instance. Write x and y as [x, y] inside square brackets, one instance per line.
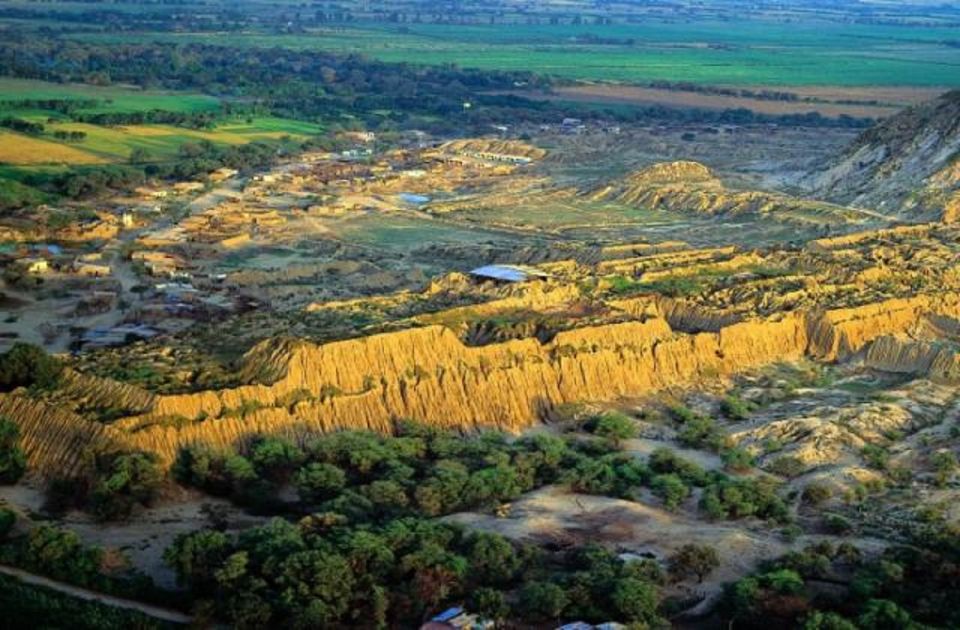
[908, 164]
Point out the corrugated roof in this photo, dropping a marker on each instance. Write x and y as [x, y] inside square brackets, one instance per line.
[508, 273]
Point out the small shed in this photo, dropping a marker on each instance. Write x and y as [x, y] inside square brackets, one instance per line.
[509, 273]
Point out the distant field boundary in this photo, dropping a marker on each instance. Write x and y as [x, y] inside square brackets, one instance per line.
[640, 96]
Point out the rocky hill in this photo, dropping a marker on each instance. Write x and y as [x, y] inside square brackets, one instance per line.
[907, 165]
[686, 186]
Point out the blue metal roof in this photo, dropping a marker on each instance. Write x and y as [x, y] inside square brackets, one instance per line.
[507, 273]
[447, 615]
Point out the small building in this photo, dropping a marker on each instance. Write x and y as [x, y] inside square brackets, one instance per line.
[91, 270]
[35, 266]
[456, 619]
[508, 273]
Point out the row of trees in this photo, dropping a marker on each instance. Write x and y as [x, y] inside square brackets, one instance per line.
[432, 472]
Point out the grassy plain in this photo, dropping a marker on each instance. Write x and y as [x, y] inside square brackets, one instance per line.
[745, 53]
[113, 144]
[110, 98]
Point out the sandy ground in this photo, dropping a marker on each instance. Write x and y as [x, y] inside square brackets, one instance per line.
[148, 533]
[554, 515]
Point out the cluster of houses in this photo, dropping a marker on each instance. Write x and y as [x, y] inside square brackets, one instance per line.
[42, 259]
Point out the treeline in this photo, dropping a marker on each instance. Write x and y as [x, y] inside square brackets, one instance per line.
[321, 86]
[61, 105]
[194, 160]
[367, 549]
[22, 126]
[270, 75]
[190, 120]
[905, 587]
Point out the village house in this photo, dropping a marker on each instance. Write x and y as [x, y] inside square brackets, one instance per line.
[222, 174]
[34, 265]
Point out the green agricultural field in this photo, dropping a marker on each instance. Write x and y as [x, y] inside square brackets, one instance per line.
[741, 53]
[111, 98]
[115, 144]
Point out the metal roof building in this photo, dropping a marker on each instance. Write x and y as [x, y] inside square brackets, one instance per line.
[508, 273]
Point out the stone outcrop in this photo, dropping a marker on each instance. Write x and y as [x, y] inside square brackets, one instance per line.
[55, 440]
[692, 187]
[429, 374]
[906, 164]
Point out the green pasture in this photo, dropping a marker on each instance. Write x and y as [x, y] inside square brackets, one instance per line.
[744, 53]
[111, 98]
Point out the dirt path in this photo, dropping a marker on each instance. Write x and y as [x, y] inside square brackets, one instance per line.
[164, 614]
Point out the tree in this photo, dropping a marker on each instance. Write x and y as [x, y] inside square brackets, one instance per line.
[196, 557]
[489, 603]
[693, 559]
[316, 586]
[615, 427]
[545, 600]
[492, 558]
[635, 600]
[784, 581]
[319, 482]
[139, 155]
[387, 496]
[26, 365]
[275, 458]
[126, 480]
[818, 620]
[13, 461]
[882, 614]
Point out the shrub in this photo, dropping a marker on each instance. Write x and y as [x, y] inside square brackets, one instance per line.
[737, 459]
[735, 408]
[787, 466]
[26, 365]
[543, 599]
[671, 490]
[13, 461]
[319, 482]
[816, 493]
[125, 481]
[615, 427]
[691, 559]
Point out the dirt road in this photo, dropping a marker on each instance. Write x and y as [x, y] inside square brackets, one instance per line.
[164, 614]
